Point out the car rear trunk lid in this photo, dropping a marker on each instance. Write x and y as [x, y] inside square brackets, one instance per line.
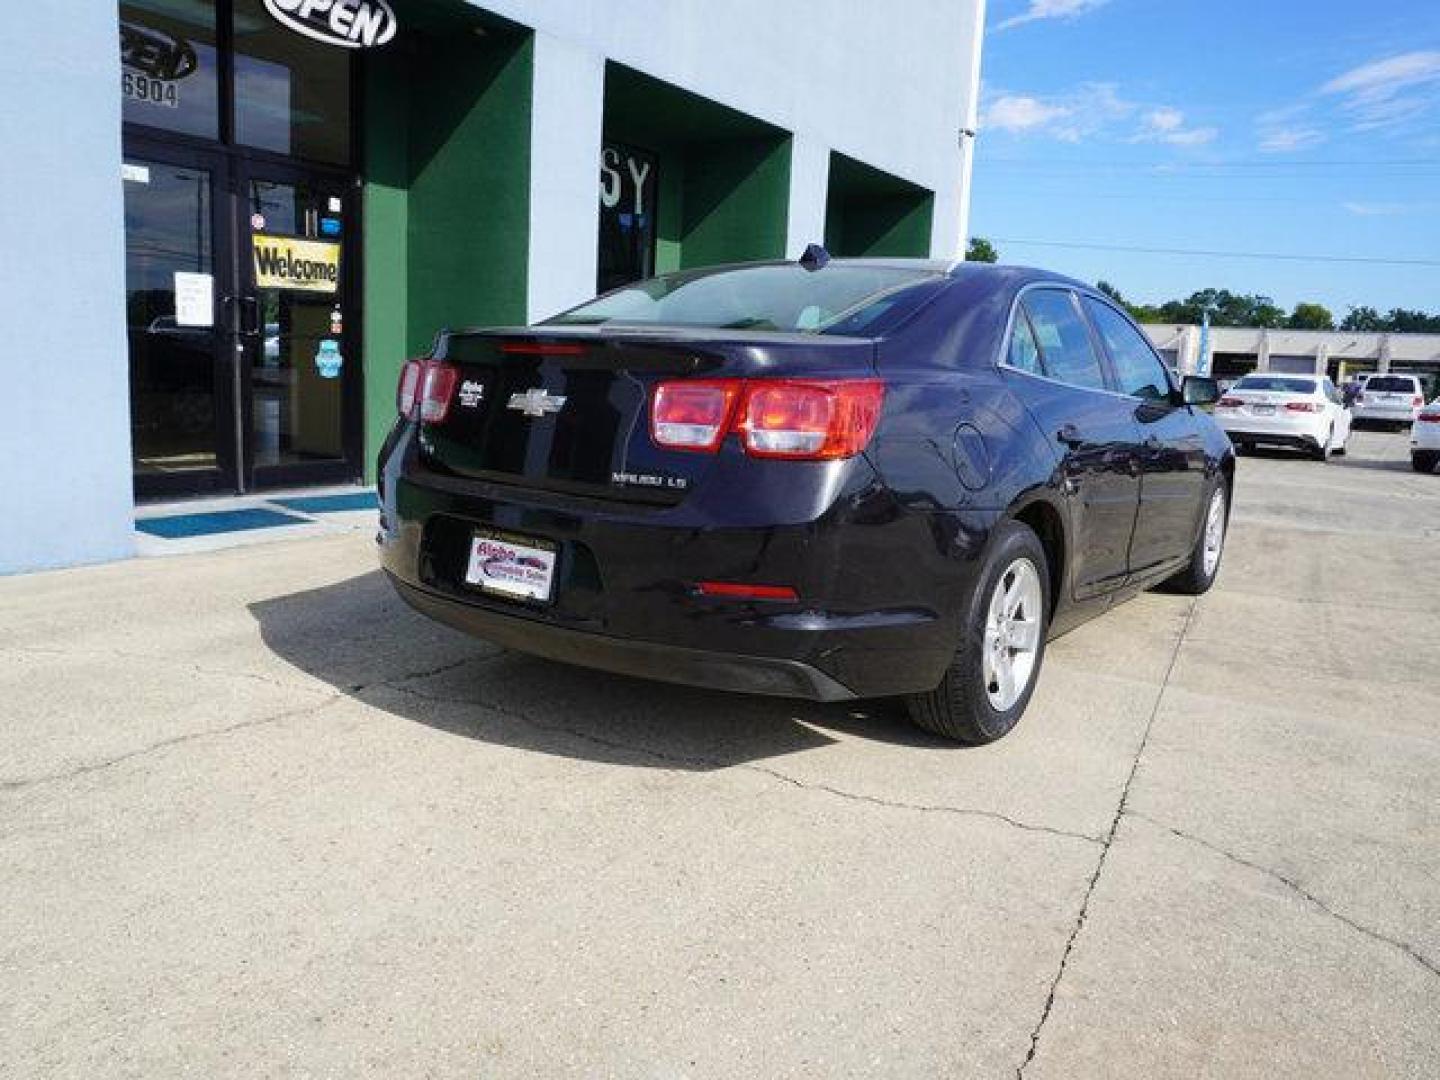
[569, 411]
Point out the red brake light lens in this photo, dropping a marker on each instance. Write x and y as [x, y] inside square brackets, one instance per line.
[693, 414]
[1429, 417]
[810, 420]
[1418, 402]
[1229, 403]
[1303, 406]
[407, 394]
[793, 419]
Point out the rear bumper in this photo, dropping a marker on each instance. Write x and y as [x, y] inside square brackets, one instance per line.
[880, 586]
[1389, 414]
[1304, 432]
[644, 659]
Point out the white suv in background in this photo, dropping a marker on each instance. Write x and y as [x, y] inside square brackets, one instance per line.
[1305, 412]
[1425, 438]
[1389, 399]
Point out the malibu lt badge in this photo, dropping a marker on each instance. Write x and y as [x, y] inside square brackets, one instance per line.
[537, 401]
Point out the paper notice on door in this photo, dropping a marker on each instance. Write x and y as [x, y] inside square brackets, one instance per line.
[194, 299]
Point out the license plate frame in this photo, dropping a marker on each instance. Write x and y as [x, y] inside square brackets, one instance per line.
[512, 566]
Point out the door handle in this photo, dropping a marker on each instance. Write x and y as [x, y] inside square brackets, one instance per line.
[1069, 435]
[242, 304]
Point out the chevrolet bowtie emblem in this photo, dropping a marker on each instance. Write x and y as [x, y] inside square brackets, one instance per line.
[537, 401]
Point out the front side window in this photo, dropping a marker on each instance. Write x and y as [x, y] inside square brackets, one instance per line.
[1137, 369]
[1064, 340]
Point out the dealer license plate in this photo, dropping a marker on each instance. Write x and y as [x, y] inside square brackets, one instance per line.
[508, 565]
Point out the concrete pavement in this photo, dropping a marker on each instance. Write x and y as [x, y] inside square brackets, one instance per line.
[257, 818]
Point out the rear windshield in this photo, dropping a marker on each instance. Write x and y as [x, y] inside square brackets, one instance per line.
[1390, 384]
[1276, 385]
[837, 299]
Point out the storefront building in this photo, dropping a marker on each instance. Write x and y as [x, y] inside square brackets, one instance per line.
[216, 271]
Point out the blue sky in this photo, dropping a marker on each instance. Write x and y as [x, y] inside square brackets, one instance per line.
[1266, 126]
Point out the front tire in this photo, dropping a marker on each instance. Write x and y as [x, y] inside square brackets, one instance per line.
[1002, 644]
[1204, 566]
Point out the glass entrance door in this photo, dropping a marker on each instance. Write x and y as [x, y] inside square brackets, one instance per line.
[297, 337]
[179, 396]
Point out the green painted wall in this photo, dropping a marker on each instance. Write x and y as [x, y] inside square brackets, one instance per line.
[447, 181]
[724, 177]
[870, 212]
[879, 225]
[736, 201]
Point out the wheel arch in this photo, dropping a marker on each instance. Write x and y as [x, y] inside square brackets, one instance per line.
[1046, 520]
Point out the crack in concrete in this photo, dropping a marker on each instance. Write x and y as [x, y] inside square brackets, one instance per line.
[163, 744]
[700, 761]
[193, 666]
[1105, 846]
[1294, 886]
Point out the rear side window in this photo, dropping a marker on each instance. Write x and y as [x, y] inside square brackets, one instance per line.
[1063, 338]
[1137, 368]
[1024, 354]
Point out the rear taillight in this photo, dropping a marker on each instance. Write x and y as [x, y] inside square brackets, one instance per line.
[407, 395]
[812, 421]
[693, 415]
[1229, 403]
[1303, 406]
[792, 419]
[1418, 401]
[1429, 417]
[425, 390]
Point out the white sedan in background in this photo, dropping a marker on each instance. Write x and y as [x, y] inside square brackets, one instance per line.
[1425, 438]
[1304, 412]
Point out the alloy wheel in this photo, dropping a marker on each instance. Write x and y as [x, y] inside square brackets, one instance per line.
[1012, 634]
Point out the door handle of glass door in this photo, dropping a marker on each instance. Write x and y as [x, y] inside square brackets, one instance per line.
[241, 303]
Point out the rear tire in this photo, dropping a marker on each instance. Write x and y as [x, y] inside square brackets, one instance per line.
[1424, 461]
[1321, 452]
[976, 702]
[1204, 567]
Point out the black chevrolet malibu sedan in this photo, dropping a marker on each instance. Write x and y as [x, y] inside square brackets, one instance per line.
[827, 479]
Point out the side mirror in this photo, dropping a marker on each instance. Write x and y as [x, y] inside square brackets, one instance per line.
[1199, 390]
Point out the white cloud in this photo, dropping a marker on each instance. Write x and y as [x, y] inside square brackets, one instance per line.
[1387, 93]
[1368, 209]
[1051, 9]
[1091, 110]
[1288, 130]
[1070, 117]
[1018, 112]
[1166, 124]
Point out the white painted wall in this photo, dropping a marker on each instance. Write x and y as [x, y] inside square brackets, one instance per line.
[567, 114]
[890, 84]
[65, 486]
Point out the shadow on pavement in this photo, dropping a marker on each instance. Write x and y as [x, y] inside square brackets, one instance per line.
[360, 638]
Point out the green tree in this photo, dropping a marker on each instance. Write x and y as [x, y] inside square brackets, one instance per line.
[1311, 317]
[1404, 321]
[1363, 318]
[981, 250]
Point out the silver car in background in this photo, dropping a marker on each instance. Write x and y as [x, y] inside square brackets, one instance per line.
[1303, 412]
